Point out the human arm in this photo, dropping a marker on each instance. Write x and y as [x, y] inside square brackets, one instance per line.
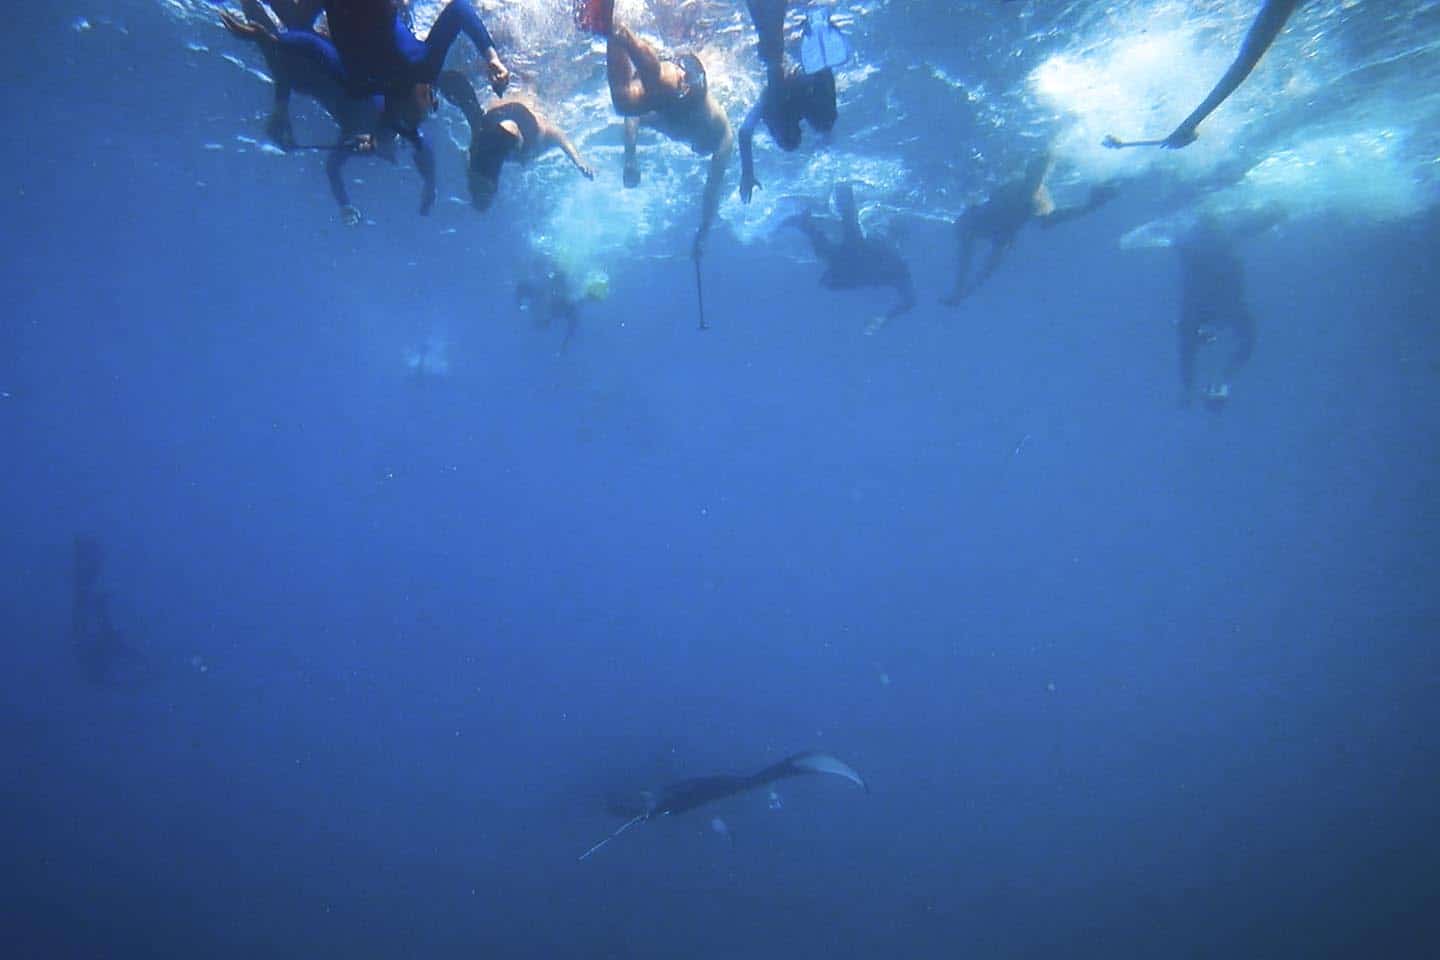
[1267, 26]
[334, 170]
[748, 183]
[553, 136]
[1100, 194]
[631, 174]
[714, 184]
[425, 163]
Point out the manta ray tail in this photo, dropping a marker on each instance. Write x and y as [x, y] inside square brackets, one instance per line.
[623, 827]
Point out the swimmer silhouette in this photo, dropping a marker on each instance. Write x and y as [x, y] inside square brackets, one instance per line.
[1267, 26]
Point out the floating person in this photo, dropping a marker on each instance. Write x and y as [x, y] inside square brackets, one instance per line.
[292, 72]
[803, 92]
[402, 116]
[670, 94]
[371, 48]
[507, 130]
[1266, 27]
[546, 295]
[98, 644]
[855, 260]
[369, 125]
[687, 795]
[998, 221]
[1213, 313]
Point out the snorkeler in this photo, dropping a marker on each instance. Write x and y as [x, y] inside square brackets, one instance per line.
[1213, 312]
[856, 260]
[402, 116]
[805, 91]
[547, 296]
[371, 48]
[1266, 27]
[369, 125]
[669, 94]
[999, 219]
[687, 795]
[507, 130]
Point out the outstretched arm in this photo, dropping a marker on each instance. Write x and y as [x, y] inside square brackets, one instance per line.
[334, 170]
[1100, 194]
[1267, 26]
[553, 136]
[714, 184]
[748, 183]
[425, 163]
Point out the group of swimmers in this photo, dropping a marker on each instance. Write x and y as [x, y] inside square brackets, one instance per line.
[379, 82]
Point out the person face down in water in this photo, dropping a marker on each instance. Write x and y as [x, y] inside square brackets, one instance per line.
[802, 97]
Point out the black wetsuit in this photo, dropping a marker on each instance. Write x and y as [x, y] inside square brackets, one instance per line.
[999, 219]
[1212, 303]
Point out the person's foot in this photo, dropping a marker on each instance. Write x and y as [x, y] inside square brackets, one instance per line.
[632, 172]
[595, 16]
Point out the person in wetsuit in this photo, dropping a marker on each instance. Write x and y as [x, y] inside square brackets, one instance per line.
[1213, 312]
[507, 130]
[855, 260]
[999, 219]
[291, 72]
[547, 295]
[1263, 30]
[369, 125]
[371, 48]
[791, 95]
[670, 95]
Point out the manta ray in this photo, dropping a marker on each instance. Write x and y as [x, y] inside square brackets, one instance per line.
[686, 795]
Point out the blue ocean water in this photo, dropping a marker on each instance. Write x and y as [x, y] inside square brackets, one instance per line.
[407, 591]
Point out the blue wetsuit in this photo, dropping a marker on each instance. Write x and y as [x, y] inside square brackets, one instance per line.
[372, 50]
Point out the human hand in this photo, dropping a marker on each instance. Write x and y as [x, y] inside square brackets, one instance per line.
[747, 187]
[350, 215]
[632, 172]
[499, 73]
[586, 171]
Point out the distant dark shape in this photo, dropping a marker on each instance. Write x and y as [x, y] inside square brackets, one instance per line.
[547, 294]
[687, 795]
[1213, 313]
[99, 647]
[855, 260]
[1266, 27]
[999, 219]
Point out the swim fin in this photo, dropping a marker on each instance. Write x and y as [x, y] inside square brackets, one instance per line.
[822, 45]
[595, 16]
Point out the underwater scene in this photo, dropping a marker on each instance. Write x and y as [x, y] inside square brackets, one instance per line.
[721, 479]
